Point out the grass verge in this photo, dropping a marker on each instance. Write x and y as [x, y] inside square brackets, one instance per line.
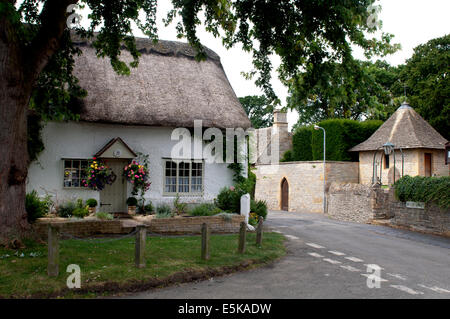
[108, 267]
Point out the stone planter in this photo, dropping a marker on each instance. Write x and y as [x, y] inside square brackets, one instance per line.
[132, 210]
[91, 210]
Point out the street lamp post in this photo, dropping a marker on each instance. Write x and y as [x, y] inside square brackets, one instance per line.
[316, 127]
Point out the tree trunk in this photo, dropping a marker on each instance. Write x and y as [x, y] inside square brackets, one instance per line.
[14, 97]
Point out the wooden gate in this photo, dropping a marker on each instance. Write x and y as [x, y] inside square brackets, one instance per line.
[284, 195]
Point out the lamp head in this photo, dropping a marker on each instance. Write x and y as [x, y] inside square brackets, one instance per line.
[388, 148]
[316, 127]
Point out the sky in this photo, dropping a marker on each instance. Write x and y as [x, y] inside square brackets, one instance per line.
[413, 22]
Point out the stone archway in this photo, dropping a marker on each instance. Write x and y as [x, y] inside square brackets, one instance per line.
[284, 195]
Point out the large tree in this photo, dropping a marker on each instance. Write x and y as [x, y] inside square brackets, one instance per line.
[355, 90]
[36, 52]
[427, 78]
[259, 110]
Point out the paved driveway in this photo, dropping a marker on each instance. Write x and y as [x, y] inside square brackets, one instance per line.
[328, 259]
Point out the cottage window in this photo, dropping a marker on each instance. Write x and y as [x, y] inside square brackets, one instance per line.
[183, 177]
[74, 172]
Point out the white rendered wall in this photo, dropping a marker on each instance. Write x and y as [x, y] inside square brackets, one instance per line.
[82, 140]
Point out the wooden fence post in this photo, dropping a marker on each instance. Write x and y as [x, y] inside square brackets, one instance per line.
[242, 235]
[259, 232]
[205, 241]
[53, 251]
[139, 256]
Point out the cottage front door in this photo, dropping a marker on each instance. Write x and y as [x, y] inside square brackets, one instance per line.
[113, 197]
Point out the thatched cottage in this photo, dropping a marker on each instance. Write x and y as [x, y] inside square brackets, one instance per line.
[424, 151]
[124, 115]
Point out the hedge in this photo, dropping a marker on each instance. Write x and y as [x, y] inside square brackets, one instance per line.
[424, 189]
[342, 135]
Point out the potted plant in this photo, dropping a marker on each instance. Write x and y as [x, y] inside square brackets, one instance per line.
[131, 202]
[92, 204]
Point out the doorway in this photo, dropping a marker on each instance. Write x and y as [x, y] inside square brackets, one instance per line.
[284, 195]
[428, 165]
[113, 197]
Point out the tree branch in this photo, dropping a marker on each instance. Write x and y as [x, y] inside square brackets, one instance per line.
[47, 41]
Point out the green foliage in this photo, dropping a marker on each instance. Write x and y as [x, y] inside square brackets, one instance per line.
[428, 83]
[132, 201]
[205, 210]
[92, 202]
[350, 90]
[34, 206]
[301, 144]
[66, 209]
[164, 211]
[149, 208]
[104, 216]
[341, 136]
[35, 144]
[258, 109]
[179, 208]
[424, 189]
[259, 207]
[80, 212]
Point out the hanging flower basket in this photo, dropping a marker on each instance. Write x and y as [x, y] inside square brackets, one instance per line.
[98, 175]
[137, 174]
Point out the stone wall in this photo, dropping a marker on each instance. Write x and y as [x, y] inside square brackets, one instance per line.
[192, 225]
[430, 219]
[80, 228]
[358, 203]
[305, 181]
[181, 225]
[364, 204]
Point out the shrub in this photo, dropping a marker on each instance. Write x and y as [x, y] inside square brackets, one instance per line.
[259, 208]
[164, 211]
[228, 200]
[253, 219]
[342, 135]
[79, 203]
[91, 202]
[66, 209]
[205, 210]
[179, 208]
[104, 216]
[424, 189]
[80, 212]
[149, 208]
[287, 157]
[132, 201]
[34, 206]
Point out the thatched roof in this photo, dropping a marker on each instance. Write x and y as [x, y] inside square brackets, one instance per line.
[405, 129]
[168, 88]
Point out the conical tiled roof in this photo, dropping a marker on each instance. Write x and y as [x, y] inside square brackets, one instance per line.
[405, 129]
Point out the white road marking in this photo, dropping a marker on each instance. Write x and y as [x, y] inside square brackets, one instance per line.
[337, 253]
[276, 231]
[291, 237]
[331, 261]
[367, 265]
[354, 259]
[350, 268]
[373, 276]
[396, 276]
[407, 290]
[315, 255]
[435, 289]
[314, 245]
[282, 226]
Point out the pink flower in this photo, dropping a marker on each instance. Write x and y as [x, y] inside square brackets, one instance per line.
[232, 188]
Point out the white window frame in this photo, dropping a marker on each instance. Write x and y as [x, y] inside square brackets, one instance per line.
[89, 161]
[177, 162]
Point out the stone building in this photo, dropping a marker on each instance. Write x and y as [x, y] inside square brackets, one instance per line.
[422, 146]
[299, 186]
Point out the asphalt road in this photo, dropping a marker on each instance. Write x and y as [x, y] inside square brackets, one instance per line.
[328, 259]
